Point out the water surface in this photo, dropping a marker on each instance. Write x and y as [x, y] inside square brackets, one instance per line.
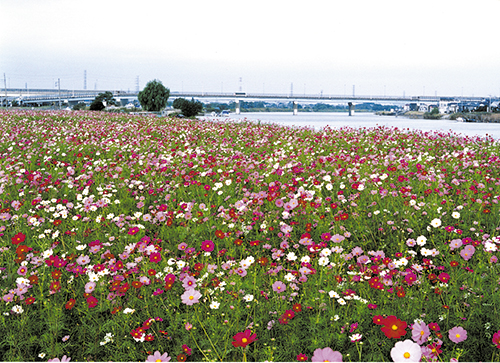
[318, 120]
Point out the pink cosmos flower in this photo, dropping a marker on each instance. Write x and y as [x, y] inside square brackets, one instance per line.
[63, 359]
[157, 357]
[241, 271]
[326, 355]
[420, 332]
[190, 297]
[189, 282]
[89, 287]
[457, 334]
[467, 252]
[279, 287]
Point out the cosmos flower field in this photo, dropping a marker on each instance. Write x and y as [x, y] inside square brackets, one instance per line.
[129, 238]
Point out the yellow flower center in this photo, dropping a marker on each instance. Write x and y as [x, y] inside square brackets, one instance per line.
[457, 335]
[244, 340]
[191, 297]
[158, 360]
[394, 327]
[406, 355]
[422, 332]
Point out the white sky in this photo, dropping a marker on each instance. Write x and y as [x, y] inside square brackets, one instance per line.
[381, 47]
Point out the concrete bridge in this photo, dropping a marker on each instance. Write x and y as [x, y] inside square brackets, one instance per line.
[41, 97]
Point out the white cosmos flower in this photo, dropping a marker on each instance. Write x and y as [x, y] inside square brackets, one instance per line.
[421, 240]
[214, 305]
[325, 252]
[436, 222]
[333, 294]
[323, 261]
[455, 215]
[17, 309]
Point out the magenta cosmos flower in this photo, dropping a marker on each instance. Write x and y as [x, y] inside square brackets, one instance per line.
[190, 297]
[157, 357]
[279, 287]
[208, 246]
[406, 351]
[326, 355]
[457, 334]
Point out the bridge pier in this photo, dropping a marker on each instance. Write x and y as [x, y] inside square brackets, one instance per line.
[237, 107]
[295, 108]
[351, 109]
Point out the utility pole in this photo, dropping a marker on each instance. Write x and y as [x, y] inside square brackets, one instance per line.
[5, 88]
[59, 87]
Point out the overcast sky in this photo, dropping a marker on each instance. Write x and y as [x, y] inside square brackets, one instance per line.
[391, 47]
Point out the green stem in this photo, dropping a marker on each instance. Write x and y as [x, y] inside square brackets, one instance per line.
[210, 340]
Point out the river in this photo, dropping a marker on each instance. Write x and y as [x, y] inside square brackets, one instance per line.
[318, 120]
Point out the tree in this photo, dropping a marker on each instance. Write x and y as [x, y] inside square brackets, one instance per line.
[102, 100]
[188, 108]
[107, 97]
[97, 105]
[178, 102]
[154, 96]
[79, 106]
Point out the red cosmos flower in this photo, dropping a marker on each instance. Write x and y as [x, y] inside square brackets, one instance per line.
[289, 314]
[220, 234]
[186, 349]
[453, 263]
[155, 257]
[400, 292]
[244, 338]
[136, 284]
[69, 305]
[254, 243]
[379, 320]
[55, 286]
[434, 326]
[181, 357]
[18, 238]
[394, 327]
[297, 308]
[30, 300]
[56, 274]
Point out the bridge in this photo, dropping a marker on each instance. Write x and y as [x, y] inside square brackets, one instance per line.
[41, 97]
